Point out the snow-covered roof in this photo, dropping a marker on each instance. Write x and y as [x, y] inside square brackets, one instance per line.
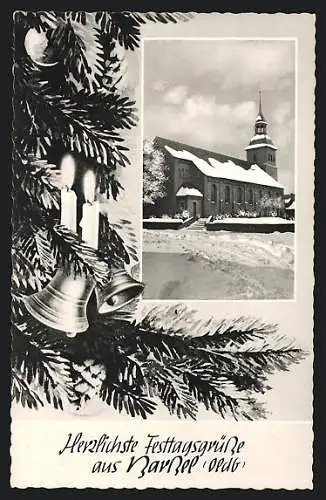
[186, 191]
[227, 169]
[260, 144]
[260, 136]
[261, 140]
[260, 118]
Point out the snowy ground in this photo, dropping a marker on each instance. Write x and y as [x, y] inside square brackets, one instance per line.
[223, 265]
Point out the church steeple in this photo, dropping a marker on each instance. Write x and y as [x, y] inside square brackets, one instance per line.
[260, 123]
[261, 148]
[260, 116]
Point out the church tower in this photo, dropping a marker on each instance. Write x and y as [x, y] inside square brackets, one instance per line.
[261, 149]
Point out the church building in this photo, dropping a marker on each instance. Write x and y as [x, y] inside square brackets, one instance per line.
[208, 183]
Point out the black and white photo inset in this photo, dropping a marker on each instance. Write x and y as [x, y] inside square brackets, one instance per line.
[219, 169]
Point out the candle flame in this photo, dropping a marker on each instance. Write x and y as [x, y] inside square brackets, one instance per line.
[89, 186]
[68, 170]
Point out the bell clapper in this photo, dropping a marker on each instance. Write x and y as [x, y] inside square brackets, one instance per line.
[71, 334]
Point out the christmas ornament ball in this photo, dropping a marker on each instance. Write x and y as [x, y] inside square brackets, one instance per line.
[36, 45]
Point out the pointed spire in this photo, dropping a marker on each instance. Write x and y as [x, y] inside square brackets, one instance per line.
[260, 116]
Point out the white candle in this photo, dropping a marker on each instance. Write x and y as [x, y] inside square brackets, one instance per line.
[68, 197]
[91, 212]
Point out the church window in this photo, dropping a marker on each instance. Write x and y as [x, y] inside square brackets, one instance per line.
[227, 194]
[251, 196]
[213, 192]
[239, 195]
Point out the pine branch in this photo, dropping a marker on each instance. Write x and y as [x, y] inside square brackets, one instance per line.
[76, 16]
[34, 244]
[40, 181]
[249, 366]
[32, 259]
[165, 383]
[209, 367]
[255, 364]
[122, 399]
[211, 387]
[72, 252]
[121, 27]
[54, 117]
[40, 20]
[178, 319]
[29, 210]
[45, 371]
[23, 275]
[80, 52]
[107, 182]
[117, 112]
[124, 227]
[125, 26]
[155, 343]
[21, 392]
[124, 385]
[18, 310]
[115, 65]
[162, 17]
[111, 245]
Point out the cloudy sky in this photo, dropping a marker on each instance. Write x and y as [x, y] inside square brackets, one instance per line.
[205, 93]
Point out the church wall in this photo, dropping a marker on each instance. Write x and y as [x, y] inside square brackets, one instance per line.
[261, 156]
[272, 171]
[185, 173]
[228, 202]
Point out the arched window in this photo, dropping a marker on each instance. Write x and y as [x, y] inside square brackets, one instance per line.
[227, 194]
[239, 195]
[213, 192]
[251, 196]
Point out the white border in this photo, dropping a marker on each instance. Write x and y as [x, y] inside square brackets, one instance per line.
[141, 115]
[141, 118]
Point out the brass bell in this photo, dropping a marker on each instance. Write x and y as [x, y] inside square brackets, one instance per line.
[121, 290]
[62, 303]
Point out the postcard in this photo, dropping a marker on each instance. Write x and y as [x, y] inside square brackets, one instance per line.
[162, 250]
